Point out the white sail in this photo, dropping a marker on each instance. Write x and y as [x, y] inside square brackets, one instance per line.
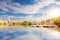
[9, 22]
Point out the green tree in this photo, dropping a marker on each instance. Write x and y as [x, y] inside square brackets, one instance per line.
[57, 21]
[29, 23]
[24, 23]
[4, 24]
[13, 23]
[34, 23]
[18, 23]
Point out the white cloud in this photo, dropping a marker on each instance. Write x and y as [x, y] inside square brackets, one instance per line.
[3, 7]
[29, 17]
[29, 9]
[32, 9]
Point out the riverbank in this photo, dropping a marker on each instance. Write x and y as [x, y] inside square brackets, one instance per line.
[56, 29]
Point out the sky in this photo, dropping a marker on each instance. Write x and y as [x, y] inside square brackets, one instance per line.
[29, 9]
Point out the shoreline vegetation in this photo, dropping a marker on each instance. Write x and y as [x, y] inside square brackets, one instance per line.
[28, 23]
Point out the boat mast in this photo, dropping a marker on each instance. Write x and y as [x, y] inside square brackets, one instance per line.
[9, 22]
[8, 19]
[45, 18]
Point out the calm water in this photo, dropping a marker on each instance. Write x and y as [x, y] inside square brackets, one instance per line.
[28, 34]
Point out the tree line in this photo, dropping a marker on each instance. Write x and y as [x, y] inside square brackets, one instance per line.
[29, 23]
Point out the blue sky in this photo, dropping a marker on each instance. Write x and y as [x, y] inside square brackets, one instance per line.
[26, 9]
[25, 2]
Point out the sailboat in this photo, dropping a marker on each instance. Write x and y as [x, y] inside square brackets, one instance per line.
[9, 22]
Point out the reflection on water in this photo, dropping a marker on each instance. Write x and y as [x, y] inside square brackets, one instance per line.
[28, 34]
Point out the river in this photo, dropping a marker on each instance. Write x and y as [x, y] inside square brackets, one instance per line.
[29, 34]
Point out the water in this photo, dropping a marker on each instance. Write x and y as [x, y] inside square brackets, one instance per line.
[29, 34]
